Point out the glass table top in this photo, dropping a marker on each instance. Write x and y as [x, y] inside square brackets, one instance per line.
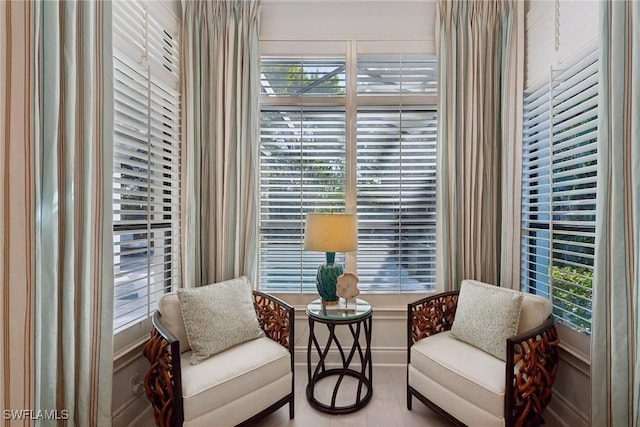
[345, 310]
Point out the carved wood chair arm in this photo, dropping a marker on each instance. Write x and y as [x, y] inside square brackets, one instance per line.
[431, 315]
[532, 363]
[163, 381]
[276, 318]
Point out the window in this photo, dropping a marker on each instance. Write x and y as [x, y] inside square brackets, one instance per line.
[559, 191]
[146, 163]
[396, 198]
[361, 141]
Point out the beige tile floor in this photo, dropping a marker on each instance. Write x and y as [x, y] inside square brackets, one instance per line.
[387, 408]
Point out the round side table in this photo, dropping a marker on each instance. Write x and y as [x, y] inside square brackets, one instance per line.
[356, 317]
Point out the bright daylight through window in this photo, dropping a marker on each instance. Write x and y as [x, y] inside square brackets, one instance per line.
[559, 191]
[146, 163]
[364, 142]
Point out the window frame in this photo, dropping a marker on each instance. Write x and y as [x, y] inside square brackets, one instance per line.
[352, 102]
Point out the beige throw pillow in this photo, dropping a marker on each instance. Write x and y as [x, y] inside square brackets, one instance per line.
[218, 316]
[486, 316]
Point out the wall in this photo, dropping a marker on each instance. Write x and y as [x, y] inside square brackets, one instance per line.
[347, 20]
[556, 33]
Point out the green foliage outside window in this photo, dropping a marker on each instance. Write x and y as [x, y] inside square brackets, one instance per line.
[305, 80]
[572, 290]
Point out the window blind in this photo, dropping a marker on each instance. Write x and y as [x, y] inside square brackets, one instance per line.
[559, 191]
[396, 159]
[302, 170]
[146, 166]
[324, 148]
[392, 75]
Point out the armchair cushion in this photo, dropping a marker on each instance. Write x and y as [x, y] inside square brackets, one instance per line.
[468, 372]
[218, 317]
[486, 316]
[535, 310]
[232, 374]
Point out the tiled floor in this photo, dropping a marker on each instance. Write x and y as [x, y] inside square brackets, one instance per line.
[388, 406]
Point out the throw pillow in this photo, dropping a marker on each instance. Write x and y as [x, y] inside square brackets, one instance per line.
[218, 316]
[486, 316]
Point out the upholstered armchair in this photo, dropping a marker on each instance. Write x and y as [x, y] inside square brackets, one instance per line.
[234, 387]
[464, 382]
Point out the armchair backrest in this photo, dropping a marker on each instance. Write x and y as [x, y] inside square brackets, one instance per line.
[533, 312]
[169, 308]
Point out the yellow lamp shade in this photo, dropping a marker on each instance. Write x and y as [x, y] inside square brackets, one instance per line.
[331, 232]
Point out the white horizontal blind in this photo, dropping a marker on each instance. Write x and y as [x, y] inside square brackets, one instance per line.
[388, 75]
[314, 137]
[302, 170]
[559, 193]
[396, 158]
[146, 168]
[536, 192]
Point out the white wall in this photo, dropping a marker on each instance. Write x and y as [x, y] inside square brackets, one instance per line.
[347, 20]
[557, 31]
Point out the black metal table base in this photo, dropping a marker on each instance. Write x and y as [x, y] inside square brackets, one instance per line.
[363, 375]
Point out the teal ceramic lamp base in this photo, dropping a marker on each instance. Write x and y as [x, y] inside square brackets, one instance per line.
[326, 279]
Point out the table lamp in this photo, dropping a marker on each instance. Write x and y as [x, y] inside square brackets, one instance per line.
[330, 233]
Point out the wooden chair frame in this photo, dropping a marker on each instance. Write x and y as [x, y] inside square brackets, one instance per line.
[163, 380]
[535, 352]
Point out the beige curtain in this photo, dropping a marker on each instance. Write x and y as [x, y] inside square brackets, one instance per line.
[511, 171]
[615, 343]
[479, 124]
[72, 169]
[16, 206]
[56, 278]
[220, 139]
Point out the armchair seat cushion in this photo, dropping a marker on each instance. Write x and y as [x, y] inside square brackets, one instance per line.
[230, 375]
[475, 376]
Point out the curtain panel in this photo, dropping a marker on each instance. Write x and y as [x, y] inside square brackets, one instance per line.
[17, 275]
[615, 343]
[480, 84]
[73, 144]
[220, 140]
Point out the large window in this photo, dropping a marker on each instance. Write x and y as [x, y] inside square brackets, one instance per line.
[146, 164]
[352, 134]
[559, 191]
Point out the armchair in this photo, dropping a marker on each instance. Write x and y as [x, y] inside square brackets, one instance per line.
[234, 387]
[467, 385]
